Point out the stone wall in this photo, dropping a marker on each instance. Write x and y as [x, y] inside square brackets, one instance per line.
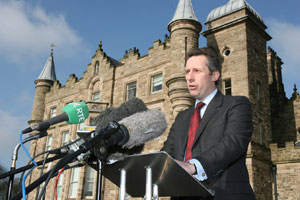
[287, 161]
[246, 66]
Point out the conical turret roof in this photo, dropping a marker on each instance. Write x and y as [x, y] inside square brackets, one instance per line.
[184, 10]
[48, 72]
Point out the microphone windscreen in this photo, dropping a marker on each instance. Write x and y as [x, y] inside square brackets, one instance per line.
[77, 112]
[144, 126]
[126, 109]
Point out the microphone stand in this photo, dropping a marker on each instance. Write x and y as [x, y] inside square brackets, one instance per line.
[101, 152]
[99, 180]
[21, 169]
[83, 148]
[14, 158]
[101, 155]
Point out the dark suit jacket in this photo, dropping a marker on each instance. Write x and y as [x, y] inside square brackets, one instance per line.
[220, 145]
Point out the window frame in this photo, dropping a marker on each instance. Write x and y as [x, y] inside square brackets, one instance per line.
[48, 146]
[53, 111]
[227, 88]
[94, 99]
[88, 179]
[60, 186]
[74, 180]
[153, 82]
[97, 67]
[64, 140]
[128, 90]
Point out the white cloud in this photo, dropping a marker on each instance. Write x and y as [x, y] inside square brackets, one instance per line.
[287, 45]
[27, 32]
[10, 128]
[286, 37]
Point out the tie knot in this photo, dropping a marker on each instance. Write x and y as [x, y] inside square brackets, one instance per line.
[199, 106]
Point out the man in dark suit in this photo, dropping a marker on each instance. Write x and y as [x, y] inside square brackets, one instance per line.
[216, 153]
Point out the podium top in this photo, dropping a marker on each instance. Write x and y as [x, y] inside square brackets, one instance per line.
[167, 174]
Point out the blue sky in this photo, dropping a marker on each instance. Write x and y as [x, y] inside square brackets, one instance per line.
[27, 28]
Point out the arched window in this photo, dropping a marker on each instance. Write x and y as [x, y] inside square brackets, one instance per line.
[97, 67]
[96, 96]
[95, 91]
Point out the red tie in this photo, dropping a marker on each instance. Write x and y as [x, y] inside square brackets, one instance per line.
[195, 121]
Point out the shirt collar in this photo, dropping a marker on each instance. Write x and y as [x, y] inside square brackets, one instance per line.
[207, 99]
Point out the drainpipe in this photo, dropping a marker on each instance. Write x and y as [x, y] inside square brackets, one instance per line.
[113, 87]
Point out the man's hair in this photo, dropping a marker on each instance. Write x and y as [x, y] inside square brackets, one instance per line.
[213, 62]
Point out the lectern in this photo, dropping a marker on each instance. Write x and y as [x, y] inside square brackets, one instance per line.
[168, 177]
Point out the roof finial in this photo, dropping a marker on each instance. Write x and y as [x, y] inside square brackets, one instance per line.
[48, 72]
[52, 48]
[295, 90]
[295, 93]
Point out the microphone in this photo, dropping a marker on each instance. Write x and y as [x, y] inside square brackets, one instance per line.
[73, 113]
[126, 109]
[142, 127]
[132, 133]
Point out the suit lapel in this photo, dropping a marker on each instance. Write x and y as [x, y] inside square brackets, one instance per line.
[211, 110]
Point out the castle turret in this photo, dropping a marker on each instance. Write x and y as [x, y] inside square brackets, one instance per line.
[43, 84]
[184, 31]
[237, 31]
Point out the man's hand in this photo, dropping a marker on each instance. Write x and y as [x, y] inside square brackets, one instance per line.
[189, 167]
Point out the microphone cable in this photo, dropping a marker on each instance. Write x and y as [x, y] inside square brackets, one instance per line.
[41, 173]
[56, 182]
[54, 151]
[70, 166]
[51, 173]
[24, 179]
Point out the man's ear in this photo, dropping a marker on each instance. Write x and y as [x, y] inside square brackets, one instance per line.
[215, 75]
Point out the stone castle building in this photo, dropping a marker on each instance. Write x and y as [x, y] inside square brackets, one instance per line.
[249, 68]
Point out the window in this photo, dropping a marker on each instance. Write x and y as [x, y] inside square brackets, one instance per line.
[131, 90]
[74, 182]
[48, 143]
[156, 83]
[226, 52]
[258, 95]
[60, 185]
[40, 188]
[97, 67]
[88, 182]
[96, 97]
[260, 132]
[227, 87]
[53, 112]
[65, 138]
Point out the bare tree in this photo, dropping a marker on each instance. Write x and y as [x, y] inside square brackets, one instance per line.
[3, 183]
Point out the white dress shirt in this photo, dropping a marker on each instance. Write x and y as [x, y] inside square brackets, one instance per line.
[200, 172]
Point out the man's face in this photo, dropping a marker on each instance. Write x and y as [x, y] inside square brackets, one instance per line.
[201, 82]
